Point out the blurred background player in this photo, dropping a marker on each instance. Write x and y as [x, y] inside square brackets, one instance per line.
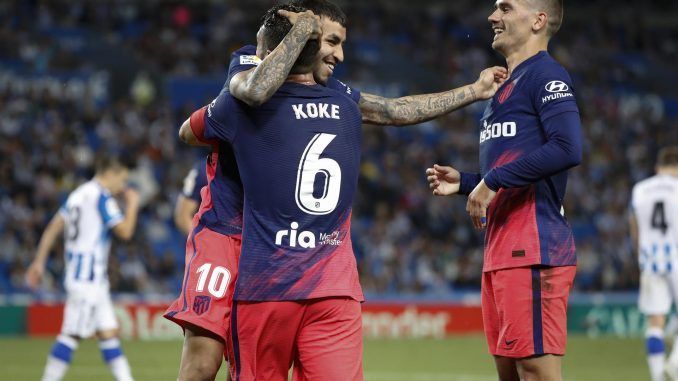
[188, 200]
[87, 219]
[654, 233]
[530, 135]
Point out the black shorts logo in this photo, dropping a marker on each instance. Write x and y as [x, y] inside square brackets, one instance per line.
[509, 343]
[518, 253]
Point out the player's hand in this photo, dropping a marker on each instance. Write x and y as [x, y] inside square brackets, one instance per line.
[444, 181]
[477, 204]
[132, 197]
[307, 18]
[489, 81]
[34, 274]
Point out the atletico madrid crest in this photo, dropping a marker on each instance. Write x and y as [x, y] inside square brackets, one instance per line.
[506, 92]
[201, 303]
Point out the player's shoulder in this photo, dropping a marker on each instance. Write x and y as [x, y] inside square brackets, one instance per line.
[642, 184]
[294, 91]
[669, 183]
[343, 88]
[546, 68]
[246, 55]
[88, 188]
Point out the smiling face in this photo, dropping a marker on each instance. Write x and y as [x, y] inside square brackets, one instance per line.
[512, 22]
[331, 49]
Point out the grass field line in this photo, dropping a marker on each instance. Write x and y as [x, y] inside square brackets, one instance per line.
[95, 370]
[421, 376]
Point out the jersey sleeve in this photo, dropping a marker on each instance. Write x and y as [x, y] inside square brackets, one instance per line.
[352, 93]
[63, 210]
[553, 92]
[109, 211]
[242, 59]
[468, 182]
[562, 150]
[194, 182]
[632, 201]
[215, 119]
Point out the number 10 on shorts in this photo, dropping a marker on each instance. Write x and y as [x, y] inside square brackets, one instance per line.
[220, 277]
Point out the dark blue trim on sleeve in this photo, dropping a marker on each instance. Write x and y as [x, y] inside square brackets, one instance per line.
[468, 182]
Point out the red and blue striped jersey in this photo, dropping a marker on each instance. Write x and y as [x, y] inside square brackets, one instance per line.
[530, 134]
[299, 158]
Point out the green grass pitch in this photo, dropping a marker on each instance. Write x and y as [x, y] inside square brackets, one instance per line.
[456, 359]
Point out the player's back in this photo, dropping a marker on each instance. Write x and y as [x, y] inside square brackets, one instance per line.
[89, 213]
[299, 158]
[655, 205]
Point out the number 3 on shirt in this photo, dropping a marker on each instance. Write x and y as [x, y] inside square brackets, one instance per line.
[310, 167]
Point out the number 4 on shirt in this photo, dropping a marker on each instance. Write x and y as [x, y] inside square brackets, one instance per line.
[659, 218]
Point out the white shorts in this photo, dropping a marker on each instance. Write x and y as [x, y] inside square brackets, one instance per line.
[85, 314]
[657, 292]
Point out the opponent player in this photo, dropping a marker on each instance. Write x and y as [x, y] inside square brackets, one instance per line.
[297, 278]
[189, 199]
[530, 135]
[254, 88]
[654, 231]
[87, 218]
[213, 247]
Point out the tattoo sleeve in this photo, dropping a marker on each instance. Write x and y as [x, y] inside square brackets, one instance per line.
[262, 82]
[415, 108]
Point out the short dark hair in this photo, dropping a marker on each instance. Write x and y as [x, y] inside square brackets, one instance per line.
[554, 9]
[668, 156]
[276, 28]
[104, 162]
[323, 8]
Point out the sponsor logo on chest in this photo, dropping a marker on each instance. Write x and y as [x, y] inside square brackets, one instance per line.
[497, 130]
[306, 239]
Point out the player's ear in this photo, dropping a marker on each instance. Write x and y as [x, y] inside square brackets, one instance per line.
[540, 22]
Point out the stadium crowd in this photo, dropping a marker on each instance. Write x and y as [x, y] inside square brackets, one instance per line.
[120, 55]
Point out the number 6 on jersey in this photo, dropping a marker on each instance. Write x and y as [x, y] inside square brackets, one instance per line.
[310, 166]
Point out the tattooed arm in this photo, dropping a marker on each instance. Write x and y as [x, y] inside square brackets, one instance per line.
[257, 85]
[421, 108]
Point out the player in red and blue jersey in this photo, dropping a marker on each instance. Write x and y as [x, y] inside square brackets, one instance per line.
[530, 134]
[189, 199]
[212, 250]
[299, 157]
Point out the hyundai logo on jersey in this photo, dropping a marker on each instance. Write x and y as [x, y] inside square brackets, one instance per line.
[556, 87]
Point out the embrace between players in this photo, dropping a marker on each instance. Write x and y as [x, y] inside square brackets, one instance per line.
[271, 280]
